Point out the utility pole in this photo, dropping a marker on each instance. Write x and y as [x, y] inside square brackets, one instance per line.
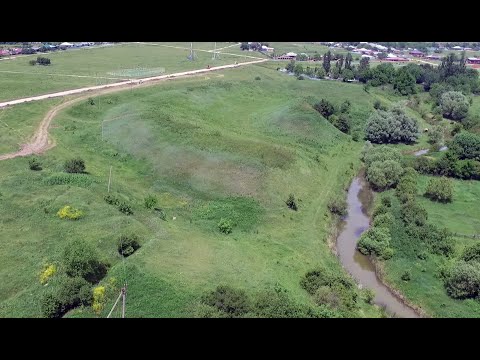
[124, 298]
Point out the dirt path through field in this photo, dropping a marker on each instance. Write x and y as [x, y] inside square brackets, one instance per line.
[40, 142]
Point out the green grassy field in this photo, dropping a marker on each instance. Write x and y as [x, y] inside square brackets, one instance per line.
[97, 66]
[426, 287]
[207, 147]
[18, 123]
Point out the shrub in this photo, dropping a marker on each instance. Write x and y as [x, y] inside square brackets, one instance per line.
[406, 276]
[67, 212]
[277, 304]
[338, 286]
[34, 164]
[291, 202]
[384, 174]
[62, 296]
[440, 189]
[33, 62]
[376, 241]
[111, 200]
[76, 165]
[225, 226]
[80, 259]
[413, 213]
[338, 206]
[98, 299]
[232, 302]
[472, 253]
[47, 272]
[150, 201]
[325, 108]
[383, 220]
[91, 101]
[454, 105]
[125, 208]
[127, 245]
[463, 280]
[325, 295]
[300, 77]
[466, 145]
[257, 78]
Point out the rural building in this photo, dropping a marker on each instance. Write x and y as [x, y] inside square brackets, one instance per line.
[391, 57]
[472, 60]
[267, 49]
[287, 56]
[4, 52]
[433, 57]
[416, 53]
[457, 48]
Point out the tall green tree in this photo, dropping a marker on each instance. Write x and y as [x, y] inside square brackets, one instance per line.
[404, 82]
[348, 61]
[326, 61]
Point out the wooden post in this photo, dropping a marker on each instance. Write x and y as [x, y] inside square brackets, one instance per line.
[109, 179]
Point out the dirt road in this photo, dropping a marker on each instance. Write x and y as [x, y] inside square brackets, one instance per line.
[40, 143]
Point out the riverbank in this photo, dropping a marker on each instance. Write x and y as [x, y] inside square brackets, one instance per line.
[365, 271]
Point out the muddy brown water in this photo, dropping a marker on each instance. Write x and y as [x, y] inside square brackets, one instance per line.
[359, 199]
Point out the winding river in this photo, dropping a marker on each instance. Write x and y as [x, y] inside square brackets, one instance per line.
[359, 266]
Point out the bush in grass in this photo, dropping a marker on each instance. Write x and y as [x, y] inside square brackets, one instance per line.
[384, 174]
[325, 295]
[232, 302]
[33, 62]
[463, 280]
[277, 304]
[440, 189]
[471, 253]
[34, 164]
[63, 295]
[257, 78]
[413, 213]
[150, 201]
[68, 212]
[76, 165]
[80, 180]
[339, 287]
[376, 241]
[48, 271]
[125, 208]
[406, 276]
[325, 108]
[439, 240]
[98, 299]
[127, 245]
[91, 101]
[291, 202]
[338, 206]
[111, 200]
[81, 260]
[225, 226]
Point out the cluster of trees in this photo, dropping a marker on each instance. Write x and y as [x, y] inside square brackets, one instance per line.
[256, 46]
[229, 302]
[342, 68]
[40, 61]
[414, 217]
[383, 166]
[393, 126]
[462, 280]
[461, 160]
[81, 267]
[338, 116]
[440, 189]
